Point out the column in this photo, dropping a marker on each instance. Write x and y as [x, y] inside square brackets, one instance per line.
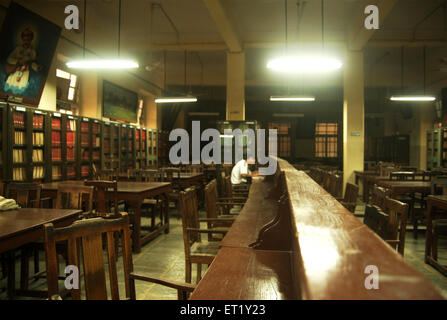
[235, 86]
[353, 116]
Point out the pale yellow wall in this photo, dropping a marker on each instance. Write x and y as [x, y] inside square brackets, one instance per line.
[235, 86]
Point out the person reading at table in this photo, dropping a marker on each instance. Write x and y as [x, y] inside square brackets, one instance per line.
[242, 170]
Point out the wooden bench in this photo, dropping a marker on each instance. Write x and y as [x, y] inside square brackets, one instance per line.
[293, 240]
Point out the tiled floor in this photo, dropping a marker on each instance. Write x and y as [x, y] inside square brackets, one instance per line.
[164, 257]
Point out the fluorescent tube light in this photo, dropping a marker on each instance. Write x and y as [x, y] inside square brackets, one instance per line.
[304, 64]
[413, 98]
[204, 114]
[288, 115]
[111, 64]
[175, 99]
[291, 98]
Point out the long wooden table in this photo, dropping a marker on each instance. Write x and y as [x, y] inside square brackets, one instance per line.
[22, 226]
[314, 249]
[133, 193]
[404, 187]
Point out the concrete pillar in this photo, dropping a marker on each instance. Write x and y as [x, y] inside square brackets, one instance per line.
[235, 86]
[91, 95]
[150, 112]
[423, 119]
[353, 116]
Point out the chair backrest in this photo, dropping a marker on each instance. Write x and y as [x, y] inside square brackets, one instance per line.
[170, 174]
[397, 223]
[108, 175]
[71, 196]
[439, 185]
[376, 219]
[190, 218]
[103, 191]
[351, 193]
[86, 237]
[378, 196]
[335, 185]
[326, 181]
[211, 199]
[148, 175]
[27, 195]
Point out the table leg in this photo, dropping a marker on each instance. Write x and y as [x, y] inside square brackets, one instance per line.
[136, 208]
[166, 211]
[11, 274]
[428, 234]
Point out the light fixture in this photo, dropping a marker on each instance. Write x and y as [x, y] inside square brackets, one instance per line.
[413, 98]
[182, 99]
[175, 99]
[305, 64]
[291, 98]
[288, 115]
[103, 64]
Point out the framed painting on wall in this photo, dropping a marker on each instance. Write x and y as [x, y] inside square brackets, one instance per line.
[27, 46]
[119, 103]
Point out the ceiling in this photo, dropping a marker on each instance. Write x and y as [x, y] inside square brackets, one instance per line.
[158, 32]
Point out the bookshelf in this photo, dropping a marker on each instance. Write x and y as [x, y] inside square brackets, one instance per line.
[434, 148]
[3, 135]
[163, 152]
[44, 146]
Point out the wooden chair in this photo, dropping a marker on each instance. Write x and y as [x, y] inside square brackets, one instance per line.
[103, 190]
[27, 195]
[70, 196]
[197, 251]
[172, 175]
[378, 196]
[349, 201]
[397, 212]
[150, 205]
[86, 239]
[335, 185]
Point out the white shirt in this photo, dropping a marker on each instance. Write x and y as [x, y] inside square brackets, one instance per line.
[240, 168]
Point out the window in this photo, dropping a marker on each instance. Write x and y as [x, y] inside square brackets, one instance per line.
[284, 141]
[67, 89]
[326, 140]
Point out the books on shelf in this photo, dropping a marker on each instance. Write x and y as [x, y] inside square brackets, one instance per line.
[84, 140]
[56, 123]
[96, 155]
[71, 139]
[71, 125]
[71, 154]
[56, 138]
[18, 155]
[56, 154]
[19, 137]
[38, 121]
[71, 172]
[97, 142]
[84, 126]
[85, 155]
[38, 138]
[38, 155]
[56, 173]
[18, 119]
[38, 172]
[18, 174]
[106, 146]
[84, 171]
[96, 128]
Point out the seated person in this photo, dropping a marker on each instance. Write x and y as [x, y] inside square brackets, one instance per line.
[241, 171]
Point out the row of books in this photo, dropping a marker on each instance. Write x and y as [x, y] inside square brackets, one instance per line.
[38, 121]
[71, 125]
[71, 139]
[71, 172]
[38, 155]
[18, 174]
[38, 172]
[56, 173]
[71, 154]
[96, 155]
[96, 128]
[55, 138]
[19, 137]
[38, 138]
[85, 171]
[18, 119]
[84, 126]
[18, 156]
[97, 142]
[56, 154]
[56, 123]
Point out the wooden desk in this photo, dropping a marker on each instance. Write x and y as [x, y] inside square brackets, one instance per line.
[324, 253]
[433, 202]
[187, 180]
[401, 187]
[22, 226]
[133, 193]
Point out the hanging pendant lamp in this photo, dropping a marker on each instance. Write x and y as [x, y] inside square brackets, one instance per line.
[103, 64]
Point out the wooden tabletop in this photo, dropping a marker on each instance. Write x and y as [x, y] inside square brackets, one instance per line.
[409, 186]
[232, 272]
[18, 222]
[123, 186]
